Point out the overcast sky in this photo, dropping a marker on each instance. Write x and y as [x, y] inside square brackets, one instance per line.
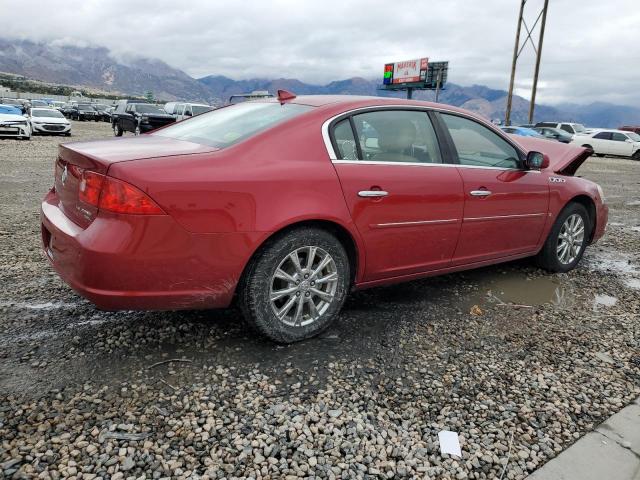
[590, 53]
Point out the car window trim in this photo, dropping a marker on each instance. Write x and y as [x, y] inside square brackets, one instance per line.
[327, 136]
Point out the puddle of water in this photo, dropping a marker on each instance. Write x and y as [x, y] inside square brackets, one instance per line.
[604, 301]
[38, 306]
[518, 289]
[617, 263]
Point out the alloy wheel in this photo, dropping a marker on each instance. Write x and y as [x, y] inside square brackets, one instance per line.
[570, 239]
[303, 286]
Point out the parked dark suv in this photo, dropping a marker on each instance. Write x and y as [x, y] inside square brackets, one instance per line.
[84, 111]
[138, 118]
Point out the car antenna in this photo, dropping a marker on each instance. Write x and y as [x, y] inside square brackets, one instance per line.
[284, 95]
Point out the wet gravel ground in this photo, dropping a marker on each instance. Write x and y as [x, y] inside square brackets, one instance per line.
[518, 362]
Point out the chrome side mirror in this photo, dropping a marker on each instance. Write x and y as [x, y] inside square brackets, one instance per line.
[537, 161]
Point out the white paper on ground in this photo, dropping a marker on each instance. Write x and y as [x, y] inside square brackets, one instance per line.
[449, 443]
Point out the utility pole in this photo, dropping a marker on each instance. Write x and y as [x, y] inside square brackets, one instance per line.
[507, 118]
[532, 105]
[517, 51]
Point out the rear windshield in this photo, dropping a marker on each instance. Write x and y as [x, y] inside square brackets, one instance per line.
[143, 108]
[227, 126]
[198, 109]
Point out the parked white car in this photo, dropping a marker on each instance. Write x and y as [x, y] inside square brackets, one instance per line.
[49, 120]
[17, 126]
[572, 128]
[611, 142]
[183, 111]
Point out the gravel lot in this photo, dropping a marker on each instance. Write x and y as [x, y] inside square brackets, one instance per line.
[83, 395]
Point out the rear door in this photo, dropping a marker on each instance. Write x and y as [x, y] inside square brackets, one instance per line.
[406, 203]
[505, 205]
[602, 143]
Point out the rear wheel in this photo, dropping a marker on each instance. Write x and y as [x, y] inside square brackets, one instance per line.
[296, 285]
[567, 240]
[636, 155]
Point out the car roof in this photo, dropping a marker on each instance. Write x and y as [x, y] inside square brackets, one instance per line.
[349, 102]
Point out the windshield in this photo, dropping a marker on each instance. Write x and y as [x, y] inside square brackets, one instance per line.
[229, 125]
[40, 112]
[634, 136]
[198, 109]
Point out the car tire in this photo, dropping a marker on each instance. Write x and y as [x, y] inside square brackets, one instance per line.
[117, 130]
[299, 308]
[565, 246]
[636, 155]
[68, 134]
[137, 131]
[586, 145]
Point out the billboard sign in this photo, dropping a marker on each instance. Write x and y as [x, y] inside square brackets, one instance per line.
[408, 71]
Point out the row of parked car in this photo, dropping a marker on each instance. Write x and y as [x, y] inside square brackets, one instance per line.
[21, 118]
[623, 141]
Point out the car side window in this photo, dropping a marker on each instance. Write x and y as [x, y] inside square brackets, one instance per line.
[478, 146]
[619, 137]
[603, 136]
[345, 142]
[397, 136]
[566, 128]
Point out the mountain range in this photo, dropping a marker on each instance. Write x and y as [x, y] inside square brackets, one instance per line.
[98, 69]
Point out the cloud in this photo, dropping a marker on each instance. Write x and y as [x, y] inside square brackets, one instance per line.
[589, 52]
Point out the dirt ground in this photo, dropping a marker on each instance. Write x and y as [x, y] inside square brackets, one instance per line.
[82, 394]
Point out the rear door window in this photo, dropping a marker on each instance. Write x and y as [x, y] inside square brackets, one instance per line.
[476, 145]
[345, 142]
[397, 136]
[603, 136]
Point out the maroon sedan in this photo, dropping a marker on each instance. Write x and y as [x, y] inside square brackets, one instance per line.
[287, 204]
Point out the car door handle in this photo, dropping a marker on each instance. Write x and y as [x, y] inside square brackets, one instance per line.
[480, 193]
[372, 193]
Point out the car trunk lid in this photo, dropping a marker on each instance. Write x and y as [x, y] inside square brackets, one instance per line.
[563, 159]
[75, 158]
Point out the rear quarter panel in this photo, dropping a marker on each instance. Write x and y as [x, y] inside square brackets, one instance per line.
[276, 178]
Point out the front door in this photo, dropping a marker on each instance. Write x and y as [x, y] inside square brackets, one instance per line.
[406, 204]
[505, 206]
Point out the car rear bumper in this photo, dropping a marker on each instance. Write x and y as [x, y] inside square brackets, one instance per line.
[136, 262]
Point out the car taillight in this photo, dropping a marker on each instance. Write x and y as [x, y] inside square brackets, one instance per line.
[108, 193]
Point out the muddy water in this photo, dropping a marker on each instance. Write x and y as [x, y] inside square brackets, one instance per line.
[511, 287]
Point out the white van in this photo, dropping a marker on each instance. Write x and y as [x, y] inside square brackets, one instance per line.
[183, 111]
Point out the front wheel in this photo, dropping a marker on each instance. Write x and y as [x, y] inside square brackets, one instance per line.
[117, 130]
[567, 240]
[296, 285]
